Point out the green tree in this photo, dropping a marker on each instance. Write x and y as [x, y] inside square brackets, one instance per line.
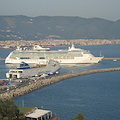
[9, 111]
[79, 116]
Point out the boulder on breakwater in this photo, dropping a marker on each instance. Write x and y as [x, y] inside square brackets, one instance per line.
[18, 91]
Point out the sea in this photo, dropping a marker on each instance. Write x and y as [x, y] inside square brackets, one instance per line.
[96, 96]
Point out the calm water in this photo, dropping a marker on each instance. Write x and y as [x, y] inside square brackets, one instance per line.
[96, 95]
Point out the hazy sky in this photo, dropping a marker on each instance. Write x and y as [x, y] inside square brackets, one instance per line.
[107, 9]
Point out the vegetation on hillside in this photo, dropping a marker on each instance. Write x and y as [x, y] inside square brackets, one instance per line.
[57, 27]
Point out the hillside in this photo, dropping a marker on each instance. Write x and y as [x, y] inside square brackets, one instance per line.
[57, 27]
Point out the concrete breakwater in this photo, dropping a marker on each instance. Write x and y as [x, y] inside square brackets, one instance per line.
[2, 58]
[111, 58]
[39, 83]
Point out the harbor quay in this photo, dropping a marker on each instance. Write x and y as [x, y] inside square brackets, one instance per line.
[38, 83]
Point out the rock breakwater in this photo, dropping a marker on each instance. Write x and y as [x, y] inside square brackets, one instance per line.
[39, 83]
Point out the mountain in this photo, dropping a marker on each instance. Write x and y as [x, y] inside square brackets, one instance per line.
[57, 27]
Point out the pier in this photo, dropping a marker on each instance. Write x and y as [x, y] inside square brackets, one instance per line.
[39, 83]
[111, 58]
[2, 58]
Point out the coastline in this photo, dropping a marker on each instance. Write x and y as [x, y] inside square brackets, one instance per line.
[10, 94]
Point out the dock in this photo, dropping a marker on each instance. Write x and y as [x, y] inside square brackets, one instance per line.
[111, 58]
[39, 83]
[2, 58]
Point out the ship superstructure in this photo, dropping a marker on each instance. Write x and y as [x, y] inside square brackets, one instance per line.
[41, 55]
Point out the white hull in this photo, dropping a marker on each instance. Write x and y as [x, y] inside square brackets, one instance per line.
[77, 60]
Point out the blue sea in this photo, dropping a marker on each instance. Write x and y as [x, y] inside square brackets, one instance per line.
[97, 96]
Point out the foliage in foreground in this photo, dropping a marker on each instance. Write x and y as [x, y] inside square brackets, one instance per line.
[24, 109]
[9, 111]
[79, 116]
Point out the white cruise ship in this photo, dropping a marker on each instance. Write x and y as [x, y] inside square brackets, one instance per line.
[39, 55]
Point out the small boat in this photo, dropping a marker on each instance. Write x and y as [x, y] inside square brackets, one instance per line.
[114, 60]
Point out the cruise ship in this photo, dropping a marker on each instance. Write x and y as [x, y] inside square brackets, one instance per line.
[40, 55]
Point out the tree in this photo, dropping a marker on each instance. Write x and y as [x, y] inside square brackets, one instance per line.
[9, 111]
[79, 116]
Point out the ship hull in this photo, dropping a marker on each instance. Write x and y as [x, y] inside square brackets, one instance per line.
[76, 60]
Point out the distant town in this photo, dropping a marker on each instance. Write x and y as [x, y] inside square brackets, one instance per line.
[54, 42]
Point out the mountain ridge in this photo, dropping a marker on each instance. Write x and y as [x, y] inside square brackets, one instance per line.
[57, 27]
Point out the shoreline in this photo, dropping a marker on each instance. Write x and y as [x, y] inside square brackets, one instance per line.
[18, 91]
